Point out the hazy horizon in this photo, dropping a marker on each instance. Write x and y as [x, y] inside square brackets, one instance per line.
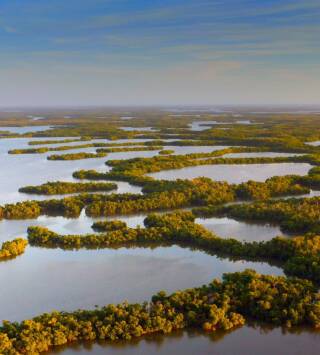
[160, 53]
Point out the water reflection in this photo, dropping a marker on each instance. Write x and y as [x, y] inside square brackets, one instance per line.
[194, 149]
[247, 340]
[45, 279]
[10, 229]
[35, 169]
[26, 129]
[68, 280]
[203, 125]
[315, 143]
[233, 173]
[229, 228]
[223, 227]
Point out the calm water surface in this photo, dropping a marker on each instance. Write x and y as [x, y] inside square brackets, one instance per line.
[27, 129]
[42, 280]
[223, 227]
[315, 143]
[10, 229]
[247, 340]
[203, 125]
[34, 169]
[192, 150]
[229, 228]
[235, 174]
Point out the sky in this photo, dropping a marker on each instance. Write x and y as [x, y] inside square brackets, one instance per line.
[169, 52]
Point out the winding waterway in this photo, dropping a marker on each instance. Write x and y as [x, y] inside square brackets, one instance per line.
[42, 280]
[68, 280]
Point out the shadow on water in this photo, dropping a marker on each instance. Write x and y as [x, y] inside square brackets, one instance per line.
[251, 339]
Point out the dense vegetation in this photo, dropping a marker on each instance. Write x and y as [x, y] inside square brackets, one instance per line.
[219, 305]
[20, 210]
[67, 207]
[59, 141]
[108, 226]
[166, 152]
[197, 192]
[158, 195]
[272, 187]
[76, 156]
[154, 143]
[179, 228]
[128, 149]
[62, 187]
[142, 166]
[54, 149]
[294, 215]
[11, 249]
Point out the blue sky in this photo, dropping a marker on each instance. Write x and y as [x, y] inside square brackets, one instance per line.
[117, 52]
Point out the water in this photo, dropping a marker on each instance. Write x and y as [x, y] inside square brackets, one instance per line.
[68, 280]
[26, 129]
[315, 143]
[193, 149]
[203, 125]
[42, 280]
[247, 340]
[235, 174]
[312, 193]
[11, 229]
[229, 228]
[131, 155]
[39, 118]
[34, 169]
[222, 227]
[176, 149]
[244, 122]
